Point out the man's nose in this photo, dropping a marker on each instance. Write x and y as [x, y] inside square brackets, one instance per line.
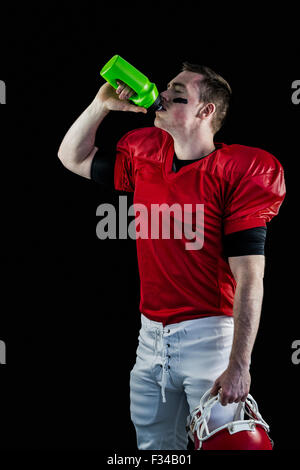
[164, 95]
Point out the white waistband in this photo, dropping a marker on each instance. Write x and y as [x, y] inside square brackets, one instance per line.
[211, 321]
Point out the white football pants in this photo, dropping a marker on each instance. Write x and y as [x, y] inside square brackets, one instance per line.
[175, 366]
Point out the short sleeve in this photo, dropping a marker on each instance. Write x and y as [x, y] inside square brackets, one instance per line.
[123, 170]
[254, 200]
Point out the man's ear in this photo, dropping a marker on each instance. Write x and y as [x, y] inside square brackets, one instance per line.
[205, 110]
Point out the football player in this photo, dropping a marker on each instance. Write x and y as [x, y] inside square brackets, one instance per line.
[200, 307]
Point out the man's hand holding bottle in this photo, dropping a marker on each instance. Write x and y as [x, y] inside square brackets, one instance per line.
[118, 100]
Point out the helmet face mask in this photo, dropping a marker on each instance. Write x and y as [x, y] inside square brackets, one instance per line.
[239, 434]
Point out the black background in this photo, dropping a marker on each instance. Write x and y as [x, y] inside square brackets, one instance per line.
[70, 315]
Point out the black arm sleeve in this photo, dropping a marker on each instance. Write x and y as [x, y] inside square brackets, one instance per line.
[245, 242]
[102, 168]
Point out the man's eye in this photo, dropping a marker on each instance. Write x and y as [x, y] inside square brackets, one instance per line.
[176, 91]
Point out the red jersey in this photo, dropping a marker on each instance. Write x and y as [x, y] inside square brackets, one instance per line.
[237, 187]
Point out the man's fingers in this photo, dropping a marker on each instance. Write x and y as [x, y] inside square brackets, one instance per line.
[215, 389]
[224, 400]
[135, 109]
[138, 109]
[124, 91]
[124, 94]
[226, 397]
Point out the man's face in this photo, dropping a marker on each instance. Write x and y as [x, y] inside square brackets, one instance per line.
[180, 115]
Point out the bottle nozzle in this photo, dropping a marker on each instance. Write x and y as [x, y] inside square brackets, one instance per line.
[157, 105]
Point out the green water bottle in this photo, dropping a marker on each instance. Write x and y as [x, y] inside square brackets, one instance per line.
[146, 94]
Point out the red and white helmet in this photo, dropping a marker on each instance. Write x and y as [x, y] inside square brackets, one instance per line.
[239, 434]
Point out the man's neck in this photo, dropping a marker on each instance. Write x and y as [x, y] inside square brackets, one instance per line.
[189, 148]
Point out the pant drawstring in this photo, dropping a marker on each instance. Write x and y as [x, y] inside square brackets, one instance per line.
[164, 364]
[164, 381]
[157, 334]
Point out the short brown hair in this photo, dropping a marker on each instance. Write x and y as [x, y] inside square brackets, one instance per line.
[213, 89]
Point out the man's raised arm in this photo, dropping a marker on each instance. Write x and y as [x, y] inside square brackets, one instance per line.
[77, 149]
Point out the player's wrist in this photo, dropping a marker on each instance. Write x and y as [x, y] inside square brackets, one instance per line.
[239, 363]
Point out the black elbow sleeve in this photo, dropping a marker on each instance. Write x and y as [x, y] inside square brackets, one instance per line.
[245, 242]
[102, 168]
